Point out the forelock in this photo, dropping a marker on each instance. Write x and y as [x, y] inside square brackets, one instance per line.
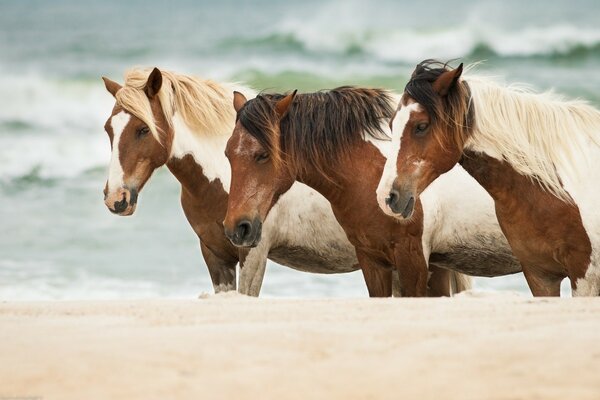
[453, 110]
[136, 103]
[420, 87]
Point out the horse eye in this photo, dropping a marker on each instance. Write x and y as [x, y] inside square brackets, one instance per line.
[421, 128]
[262, 158]
[143, 131]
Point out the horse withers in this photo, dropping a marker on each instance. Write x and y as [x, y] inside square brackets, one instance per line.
[537, 155]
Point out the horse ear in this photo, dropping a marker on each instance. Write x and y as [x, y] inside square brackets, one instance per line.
[283, 105]
[112, 86]
[418, 70]
[447, 80]
[238, 101]
[154, 83]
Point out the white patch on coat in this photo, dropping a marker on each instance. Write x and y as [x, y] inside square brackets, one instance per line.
[115, 170]
[207, 150]
[390, 170]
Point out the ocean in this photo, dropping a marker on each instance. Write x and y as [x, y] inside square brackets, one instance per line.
[58, 240]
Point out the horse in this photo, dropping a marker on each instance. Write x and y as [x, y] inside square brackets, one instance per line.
[333, 141]
[163, 118]
[536, 154]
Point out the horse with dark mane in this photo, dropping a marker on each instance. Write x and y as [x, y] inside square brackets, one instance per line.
[333, 142]
[536, 154]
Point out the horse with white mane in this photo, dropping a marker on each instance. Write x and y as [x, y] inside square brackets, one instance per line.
[537, 155]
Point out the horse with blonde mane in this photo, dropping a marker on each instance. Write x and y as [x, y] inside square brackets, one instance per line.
[537, 155]
[334, 142]
[163, 118]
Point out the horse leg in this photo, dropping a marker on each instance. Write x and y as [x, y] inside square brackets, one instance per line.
[222, 272]
[459, 282]
[396, 286]
[412, 268]
[439, 282]
[542, 283]
[377, 277]
[253, 264]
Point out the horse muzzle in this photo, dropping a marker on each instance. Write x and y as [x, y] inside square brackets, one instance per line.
[246, 233]
[122, 201]
[401, 202]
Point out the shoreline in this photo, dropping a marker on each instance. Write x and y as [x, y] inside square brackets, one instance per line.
[479, 346]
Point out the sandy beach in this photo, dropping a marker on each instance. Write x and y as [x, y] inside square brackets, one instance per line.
[495, 346]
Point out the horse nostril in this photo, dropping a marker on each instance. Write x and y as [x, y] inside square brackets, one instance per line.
[244, 229]
[409, 207]
[120, 206]
[392, 198]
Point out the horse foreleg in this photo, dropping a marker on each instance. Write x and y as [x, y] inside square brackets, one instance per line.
[439, 282]
[412, 268]
[396, 286]
[222, 272]
[377, 277]
[253, 264]
[541, 283]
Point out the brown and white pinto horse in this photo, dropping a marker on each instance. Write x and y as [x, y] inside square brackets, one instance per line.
[333, 141]
[163, 118]
[537, 155]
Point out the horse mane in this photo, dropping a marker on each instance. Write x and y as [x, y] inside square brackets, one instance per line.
[204, 105]
[538, 134]
[319, 128]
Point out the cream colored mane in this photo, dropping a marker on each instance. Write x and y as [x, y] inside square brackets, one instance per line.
[205, 106]
[538, 134]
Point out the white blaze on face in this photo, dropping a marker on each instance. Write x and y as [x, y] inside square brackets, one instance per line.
[389, 171]
[115, 172]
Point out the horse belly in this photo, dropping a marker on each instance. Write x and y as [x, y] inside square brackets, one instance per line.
[483, 256]
[305, 234]
[306, 259]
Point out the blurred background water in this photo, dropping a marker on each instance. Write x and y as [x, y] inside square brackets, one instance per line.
[58, 241]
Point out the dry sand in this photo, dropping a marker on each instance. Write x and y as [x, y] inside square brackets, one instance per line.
[232, 347]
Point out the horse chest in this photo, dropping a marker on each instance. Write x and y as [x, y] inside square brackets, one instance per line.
[205, 215]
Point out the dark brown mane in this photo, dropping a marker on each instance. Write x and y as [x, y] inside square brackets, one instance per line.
[454, 110]
[319, 128]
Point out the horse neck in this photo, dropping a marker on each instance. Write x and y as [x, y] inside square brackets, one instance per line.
[354, 174]
[497, 177]
[540, 135]
[197, 159]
